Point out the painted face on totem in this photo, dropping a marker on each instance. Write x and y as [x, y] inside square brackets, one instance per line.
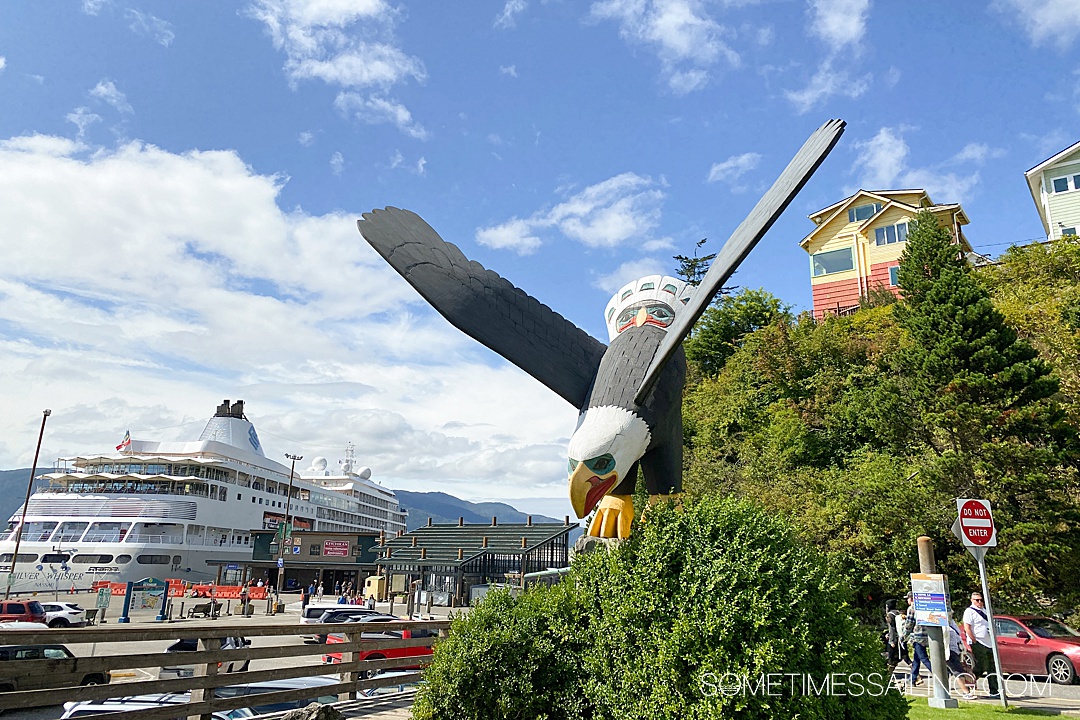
[647, 312]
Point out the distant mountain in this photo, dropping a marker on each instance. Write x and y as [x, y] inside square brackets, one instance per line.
[443, 508]
[12, 492]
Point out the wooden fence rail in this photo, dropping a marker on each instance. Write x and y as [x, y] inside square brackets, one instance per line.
[203, 702]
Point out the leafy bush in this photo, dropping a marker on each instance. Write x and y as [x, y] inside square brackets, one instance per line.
[509, 658]
[686, 619]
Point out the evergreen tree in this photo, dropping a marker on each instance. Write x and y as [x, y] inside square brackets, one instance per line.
[692, 269]
[979, 403]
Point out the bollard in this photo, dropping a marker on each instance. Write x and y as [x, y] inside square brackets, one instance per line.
[181, 609]
[127, 605]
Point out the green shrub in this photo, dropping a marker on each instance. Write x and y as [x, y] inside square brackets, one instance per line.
[683, 620]
[509, 658]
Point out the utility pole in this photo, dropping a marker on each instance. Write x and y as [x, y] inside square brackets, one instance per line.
[29, 485]
[940, 698]
[286, 529]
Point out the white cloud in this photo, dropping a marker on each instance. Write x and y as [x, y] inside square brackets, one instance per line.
[82, 118]
[882, 164]
[350, 44]
[978, 153]
[514, 234]
[1049, 143]
[93, 7]
[733, 168]
[373, 110]
[839, 23]
[686, 39]
[106, 91]
[1046, 21]
[149, 26]
[421, 166]
[510, 70]
[826, 83]
[508, 17]
[141, 286]
[337, 163]
[3, 63]
[607, 214]
[631, 270]
[841, 26]
[306, 138]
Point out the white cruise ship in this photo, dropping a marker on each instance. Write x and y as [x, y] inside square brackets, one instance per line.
[161, 509]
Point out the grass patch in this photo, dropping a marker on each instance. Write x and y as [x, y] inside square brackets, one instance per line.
[920, 710]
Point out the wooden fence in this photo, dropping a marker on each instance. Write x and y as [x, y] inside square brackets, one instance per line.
[206, 678]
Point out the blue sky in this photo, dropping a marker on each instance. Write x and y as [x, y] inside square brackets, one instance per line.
[180, 184]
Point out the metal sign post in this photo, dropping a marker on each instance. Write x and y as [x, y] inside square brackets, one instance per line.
[975, 527]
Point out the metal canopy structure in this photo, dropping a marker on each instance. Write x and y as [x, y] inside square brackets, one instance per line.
[448, 560]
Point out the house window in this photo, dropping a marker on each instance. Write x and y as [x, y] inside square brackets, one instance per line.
[858, 214]
[1068, 231]
[1065, 184]
[890, 234]
[833, 261]
[894, 275]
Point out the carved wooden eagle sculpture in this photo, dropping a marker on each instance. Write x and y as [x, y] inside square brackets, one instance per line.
[629, 393]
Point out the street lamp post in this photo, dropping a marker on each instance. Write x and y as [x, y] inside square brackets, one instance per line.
[285, 528]
[29, 485]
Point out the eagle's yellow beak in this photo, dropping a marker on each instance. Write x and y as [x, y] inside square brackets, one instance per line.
[587, 489]
[641, 317]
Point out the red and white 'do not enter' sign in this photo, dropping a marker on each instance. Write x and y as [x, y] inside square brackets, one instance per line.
[976, 523]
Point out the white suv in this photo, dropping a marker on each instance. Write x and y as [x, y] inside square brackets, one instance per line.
[142, 702]
[63, 614]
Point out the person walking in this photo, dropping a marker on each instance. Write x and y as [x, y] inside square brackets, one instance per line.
[319, 593]
[952, 661]
[920, 641]
[977, 640]
[892, 635]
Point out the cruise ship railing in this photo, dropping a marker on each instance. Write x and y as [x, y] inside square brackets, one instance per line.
[355, 676]
[154, 539]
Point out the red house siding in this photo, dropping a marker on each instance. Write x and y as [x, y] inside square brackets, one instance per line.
[831, 297]
[879, 276]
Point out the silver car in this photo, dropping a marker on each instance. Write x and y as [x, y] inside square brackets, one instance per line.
[168, 672]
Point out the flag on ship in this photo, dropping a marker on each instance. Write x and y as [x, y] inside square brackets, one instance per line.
[126, 442]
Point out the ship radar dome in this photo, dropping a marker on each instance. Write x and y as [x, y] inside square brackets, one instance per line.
[318, 464]
[364, 473]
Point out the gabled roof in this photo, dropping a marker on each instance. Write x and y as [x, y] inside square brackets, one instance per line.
[1034, 179]
[882, 195]
[885, 197]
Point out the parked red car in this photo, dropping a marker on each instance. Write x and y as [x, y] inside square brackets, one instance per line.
[1033, 645]
[22, 611]
[383, 653]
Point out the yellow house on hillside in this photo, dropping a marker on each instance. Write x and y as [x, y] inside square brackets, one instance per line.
[856, 244]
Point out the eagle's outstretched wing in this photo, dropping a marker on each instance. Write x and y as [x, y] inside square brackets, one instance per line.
[742, 241]
[485, 306]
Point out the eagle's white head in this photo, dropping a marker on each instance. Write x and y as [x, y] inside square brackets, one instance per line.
[607, 442]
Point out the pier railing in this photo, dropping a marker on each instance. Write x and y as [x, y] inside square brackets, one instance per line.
[355, 675]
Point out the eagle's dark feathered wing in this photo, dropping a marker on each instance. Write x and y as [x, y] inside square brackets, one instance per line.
[485, 306]
[742, 241]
